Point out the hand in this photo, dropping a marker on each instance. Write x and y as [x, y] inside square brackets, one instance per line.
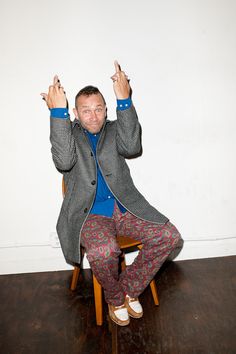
[120, 83]
[56, 97]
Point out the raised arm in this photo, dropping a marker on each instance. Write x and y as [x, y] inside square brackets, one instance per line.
[62, 140]
[128, 128]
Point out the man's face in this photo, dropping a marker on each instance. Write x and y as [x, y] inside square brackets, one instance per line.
[91, 112]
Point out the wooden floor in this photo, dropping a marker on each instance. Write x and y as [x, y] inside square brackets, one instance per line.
[197, 313]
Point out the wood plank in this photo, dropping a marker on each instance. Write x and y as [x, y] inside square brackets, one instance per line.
[197, 313]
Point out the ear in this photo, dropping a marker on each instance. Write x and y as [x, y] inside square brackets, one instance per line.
[75, 113]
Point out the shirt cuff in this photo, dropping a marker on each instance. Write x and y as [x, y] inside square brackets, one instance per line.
[59, 113]
[124, 104]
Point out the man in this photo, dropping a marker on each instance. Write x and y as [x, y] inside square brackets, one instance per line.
[101, 200]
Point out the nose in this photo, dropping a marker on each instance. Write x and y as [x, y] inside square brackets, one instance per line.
[93, 115]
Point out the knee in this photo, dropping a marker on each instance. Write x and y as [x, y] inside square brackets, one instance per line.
[174, 237]
[176, 245]
[168, 237]
[167, 234]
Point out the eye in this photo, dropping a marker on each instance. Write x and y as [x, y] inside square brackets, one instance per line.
[99, 110]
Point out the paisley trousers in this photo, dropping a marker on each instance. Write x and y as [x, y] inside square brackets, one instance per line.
[98, 237]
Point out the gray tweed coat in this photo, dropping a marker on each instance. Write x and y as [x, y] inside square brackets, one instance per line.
[73, 156]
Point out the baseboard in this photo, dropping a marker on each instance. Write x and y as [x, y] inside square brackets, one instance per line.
[30, 259]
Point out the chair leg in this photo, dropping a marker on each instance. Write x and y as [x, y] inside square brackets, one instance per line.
[98, 300]
[154, 292]
[75, 277]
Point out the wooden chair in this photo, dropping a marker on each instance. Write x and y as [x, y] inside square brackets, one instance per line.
[124, 243]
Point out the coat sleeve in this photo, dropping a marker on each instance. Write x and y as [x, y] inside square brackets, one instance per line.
[128, 135]
[63, 144]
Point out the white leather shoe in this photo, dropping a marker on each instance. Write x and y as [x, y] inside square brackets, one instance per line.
[134, 307]
[119, 314]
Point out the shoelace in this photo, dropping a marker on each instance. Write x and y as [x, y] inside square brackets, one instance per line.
[131, 299]
[119, 307]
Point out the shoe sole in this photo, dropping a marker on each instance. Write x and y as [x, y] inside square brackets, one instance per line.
[122, 324]
[136, 316]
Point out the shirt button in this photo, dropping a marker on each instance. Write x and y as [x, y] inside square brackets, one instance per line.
[93, 182]
[85, 210]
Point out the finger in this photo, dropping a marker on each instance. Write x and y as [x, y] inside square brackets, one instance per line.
[117, 66]
[62, 91]
[44, 96]
[114, 77]
[51, 89]
[55, 80]
[122, 74]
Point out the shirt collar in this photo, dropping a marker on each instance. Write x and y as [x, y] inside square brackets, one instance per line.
[91, 134]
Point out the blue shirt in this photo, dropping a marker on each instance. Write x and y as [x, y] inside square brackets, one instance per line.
[104, 199]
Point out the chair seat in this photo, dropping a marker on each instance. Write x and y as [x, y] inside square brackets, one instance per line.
[126, 242]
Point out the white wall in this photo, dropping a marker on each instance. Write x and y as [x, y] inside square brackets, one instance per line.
[180, 56]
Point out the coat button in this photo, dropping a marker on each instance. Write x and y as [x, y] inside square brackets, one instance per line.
[91, 153]
[93, 182]
[85, 210]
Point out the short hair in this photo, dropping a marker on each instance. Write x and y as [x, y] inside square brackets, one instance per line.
[88, 91]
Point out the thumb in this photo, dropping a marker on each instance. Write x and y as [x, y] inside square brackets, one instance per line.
[44, 96]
